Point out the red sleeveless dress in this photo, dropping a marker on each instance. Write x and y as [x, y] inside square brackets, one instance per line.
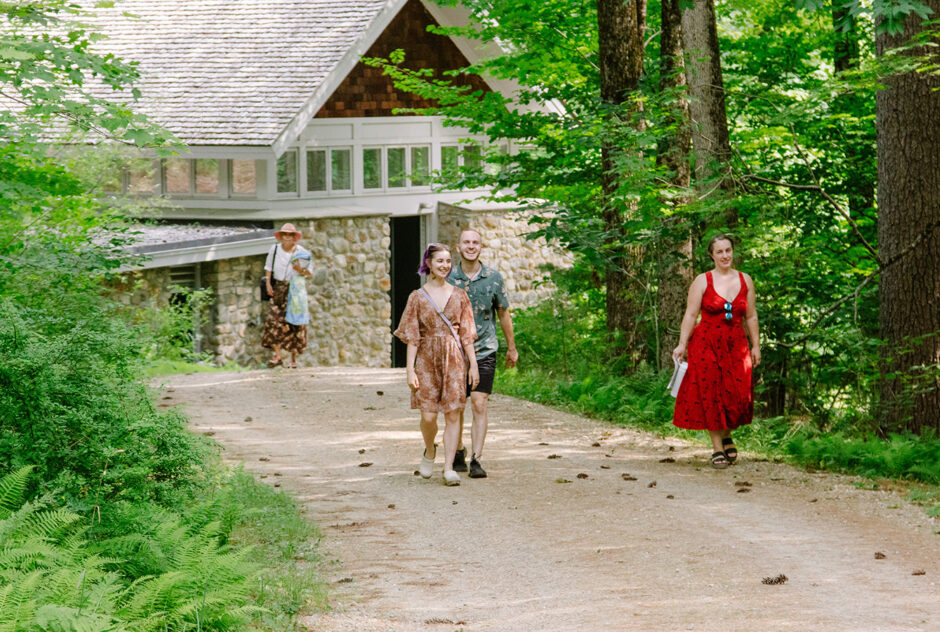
[717, 392]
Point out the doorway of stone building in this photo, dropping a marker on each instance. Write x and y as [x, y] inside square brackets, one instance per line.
[408, 235]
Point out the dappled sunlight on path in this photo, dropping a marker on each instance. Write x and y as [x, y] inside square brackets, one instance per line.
[580, 527]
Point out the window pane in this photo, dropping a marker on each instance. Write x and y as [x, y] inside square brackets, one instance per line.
[287, 172]
[140, 177]
[207, 175]
[316, 170]
[112, 179]
[372, 168]
[449, 160]
[472, 157]
[341, 179]
[244, 177]
[396, 167]
[420, 166]
[176, 175]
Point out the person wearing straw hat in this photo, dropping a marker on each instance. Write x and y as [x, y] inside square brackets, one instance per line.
[285, 330]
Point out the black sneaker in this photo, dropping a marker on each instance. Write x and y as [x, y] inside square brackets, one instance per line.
[476, 470]
[460, 460]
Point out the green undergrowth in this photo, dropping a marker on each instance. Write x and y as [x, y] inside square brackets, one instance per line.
[285, 545]
[240, 557]
[642, 401]
[165, 368]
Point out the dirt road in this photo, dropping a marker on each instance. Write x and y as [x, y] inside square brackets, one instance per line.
[580, 527]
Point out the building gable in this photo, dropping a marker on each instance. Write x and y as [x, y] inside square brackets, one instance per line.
[367, 92]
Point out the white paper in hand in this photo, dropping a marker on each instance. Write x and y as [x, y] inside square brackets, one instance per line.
[677, 376]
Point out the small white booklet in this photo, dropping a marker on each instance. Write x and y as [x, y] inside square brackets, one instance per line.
[677, 375]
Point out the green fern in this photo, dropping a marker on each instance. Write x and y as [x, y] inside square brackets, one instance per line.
[12, 490]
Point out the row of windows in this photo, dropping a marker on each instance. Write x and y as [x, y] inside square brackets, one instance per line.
[330, 169]
[327, 170]
[186, 177]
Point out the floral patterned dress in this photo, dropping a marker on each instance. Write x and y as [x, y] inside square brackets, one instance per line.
[440, 364]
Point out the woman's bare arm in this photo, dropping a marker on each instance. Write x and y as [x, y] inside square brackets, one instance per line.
[692, 309]
[410, 356]
[750, 321]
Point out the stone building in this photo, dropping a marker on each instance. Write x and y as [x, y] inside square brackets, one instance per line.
[281, 121]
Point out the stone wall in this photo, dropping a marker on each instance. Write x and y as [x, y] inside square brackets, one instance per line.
[522, 262]
[236, 316]
[350, 308]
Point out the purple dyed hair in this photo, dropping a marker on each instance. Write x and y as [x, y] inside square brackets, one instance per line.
[428, 253]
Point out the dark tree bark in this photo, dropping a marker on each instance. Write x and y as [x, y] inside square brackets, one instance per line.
[909, 239]
[676, 271]
[710, 143]
[620, 53]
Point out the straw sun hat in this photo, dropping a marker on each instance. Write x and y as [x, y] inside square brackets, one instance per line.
[288, 228]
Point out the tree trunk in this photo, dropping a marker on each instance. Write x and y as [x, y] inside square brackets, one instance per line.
[706, 89]
[710, 143]
[676, 271]
[620, 54]
[909, 213]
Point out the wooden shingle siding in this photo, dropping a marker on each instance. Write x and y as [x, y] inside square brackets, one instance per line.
[367, 92]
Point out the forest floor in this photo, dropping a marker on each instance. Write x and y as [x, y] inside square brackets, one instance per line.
[580, 527]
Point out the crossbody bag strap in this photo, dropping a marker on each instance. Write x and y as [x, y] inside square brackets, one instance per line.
[273, 262]
[445, 319]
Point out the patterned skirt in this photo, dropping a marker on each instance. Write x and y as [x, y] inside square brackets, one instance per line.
[277, 331]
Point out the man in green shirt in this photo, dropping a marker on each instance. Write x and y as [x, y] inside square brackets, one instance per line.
[487, 293]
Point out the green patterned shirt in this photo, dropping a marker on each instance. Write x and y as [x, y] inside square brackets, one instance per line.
[487, 293]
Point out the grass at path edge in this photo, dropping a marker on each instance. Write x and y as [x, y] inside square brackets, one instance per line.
[642, 401]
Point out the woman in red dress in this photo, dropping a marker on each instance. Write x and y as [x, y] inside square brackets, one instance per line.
[717, 393]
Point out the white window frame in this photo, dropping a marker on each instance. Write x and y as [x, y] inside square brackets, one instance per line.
[223, 180]
[231, 179]
[191, 178]
[328, 150]
[408, 185]
[301, 175]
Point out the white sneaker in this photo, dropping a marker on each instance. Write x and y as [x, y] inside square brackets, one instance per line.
[427, 465]
[451, 478]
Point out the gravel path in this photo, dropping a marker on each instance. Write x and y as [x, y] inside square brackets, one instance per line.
[581, 527]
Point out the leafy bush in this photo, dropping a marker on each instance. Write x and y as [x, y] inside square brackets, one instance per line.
[173, 331]
[72, 406]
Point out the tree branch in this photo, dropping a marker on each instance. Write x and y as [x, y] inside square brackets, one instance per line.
[829, 310]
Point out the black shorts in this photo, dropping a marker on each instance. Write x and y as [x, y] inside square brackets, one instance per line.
[487, 366]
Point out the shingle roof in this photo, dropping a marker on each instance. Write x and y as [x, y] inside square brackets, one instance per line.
[232, 72]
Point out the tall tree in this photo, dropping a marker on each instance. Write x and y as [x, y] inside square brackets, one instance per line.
[620, 55]
[710, 141]
[909, 234]
[673, 153]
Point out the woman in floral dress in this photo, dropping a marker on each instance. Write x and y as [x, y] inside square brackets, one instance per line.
[286, 260]
[437, 325]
